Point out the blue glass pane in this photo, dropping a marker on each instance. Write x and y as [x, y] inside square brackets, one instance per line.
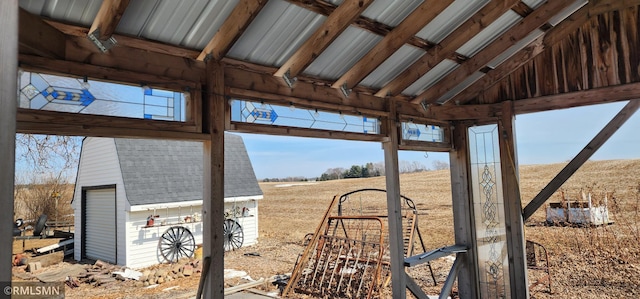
[67, 94]
[277, 115]
[422, 132]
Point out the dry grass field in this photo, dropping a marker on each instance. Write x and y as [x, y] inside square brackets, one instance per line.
[586, 262]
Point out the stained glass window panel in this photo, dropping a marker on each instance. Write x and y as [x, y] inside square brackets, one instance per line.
[78, 95]
[488, 208]
[291, 116]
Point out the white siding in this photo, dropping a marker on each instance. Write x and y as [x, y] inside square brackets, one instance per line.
[100, 225]
[142, 243]
[99, 166]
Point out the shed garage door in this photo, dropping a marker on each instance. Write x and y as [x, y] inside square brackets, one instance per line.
[100, 225]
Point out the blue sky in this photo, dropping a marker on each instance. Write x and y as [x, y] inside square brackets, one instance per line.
[542, 138]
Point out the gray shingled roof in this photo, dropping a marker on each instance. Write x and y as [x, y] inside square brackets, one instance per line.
[161, 171]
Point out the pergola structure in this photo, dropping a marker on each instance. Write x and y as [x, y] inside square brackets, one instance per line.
[457, 71]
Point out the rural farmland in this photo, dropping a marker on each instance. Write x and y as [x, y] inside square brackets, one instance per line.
[585, 262]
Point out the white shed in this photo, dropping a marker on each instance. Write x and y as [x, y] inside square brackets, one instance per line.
[136, 201]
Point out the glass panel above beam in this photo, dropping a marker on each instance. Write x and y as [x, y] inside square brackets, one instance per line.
[422, 132]
[40, 91]
[255, 112]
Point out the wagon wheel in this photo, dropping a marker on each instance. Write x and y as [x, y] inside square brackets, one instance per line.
[233, 235]
[175, 243]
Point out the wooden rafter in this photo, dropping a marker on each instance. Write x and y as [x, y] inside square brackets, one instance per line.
[447, 47]
[411, 25]
[533, 21]
[239, 19]
[38, 37]
[325, 8]
[552, 37]
[108, 18]
[335, 24]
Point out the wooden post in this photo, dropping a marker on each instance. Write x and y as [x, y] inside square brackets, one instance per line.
[512, 203]
[584, 155]
[396, 246]
[8, 102]
[213, 179]
[463, 211]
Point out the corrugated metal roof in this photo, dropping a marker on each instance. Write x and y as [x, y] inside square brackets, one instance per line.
[276, 33]
[460, 87]
[188, 23]
[393, 66]
[452, 17]
[78, 12]
[515, 48]
[390, 12]
[281, 27]
[489, 34]
[343, 53]
[431, 77]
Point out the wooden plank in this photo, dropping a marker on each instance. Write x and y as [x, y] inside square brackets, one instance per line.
[48, 259]
[463, 211]
[415, 289]
[303, 132]
[533, 21]
[512, 203]
[579, 98]
[232, 28]
[8, 101]
[499, 73]
[130, 42]
[213, 178]
[108, 17]
[447, 46]
[584, 155]
[109, 74]
[38, 37]
[268, 84]
[411, 25]
[54, 246]
[333, 26]
[326, 8]
[451, 278]
[394, 211]
[140, 61]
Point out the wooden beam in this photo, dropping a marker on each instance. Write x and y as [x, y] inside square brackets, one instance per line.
[8, 101]
[108, 17]
[499, 73]
[130, 42]
[303, 132]
[325, 8]
[394, 211]
[535, 20]
[72, 68]
[213, 179]
[579, 98]
[584, 155]
[464, 228]
[333, 26]
[447, 46]
[39, 38]
[48, 122]
[265, 83]
[512, 203]
[82, 50]
[411, 25]
[232, 28]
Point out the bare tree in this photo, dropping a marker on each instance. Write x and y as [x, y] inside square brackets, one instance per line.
[45, 166]
[440, 165]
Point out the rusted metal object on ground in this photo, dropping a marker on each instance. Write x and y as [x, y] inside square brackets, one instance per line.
[538, 264]
[347, 256]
